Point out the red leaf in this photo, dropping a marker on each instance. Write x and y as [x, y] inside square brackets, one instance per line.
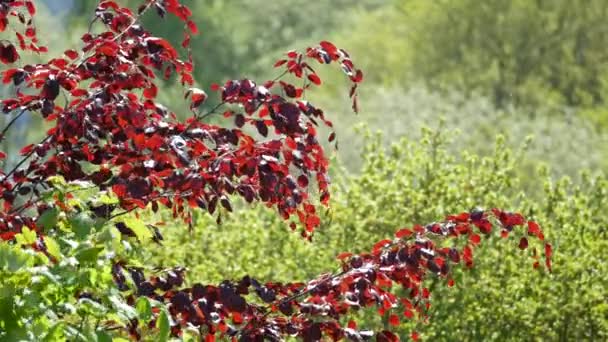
[27, 149]
[312, 221]
[151, 91]
[548, 250]
[358, 77]
[197, 97]
[475, 239]
[393, 320]
[408, 314]
[405, 232]
[303, 181]
[79, 92]
[108, 49]
[343, 255]
[108, 4]
[329, 47]
[314, 79]
[30, 7]
[7, 236]
[332, 137]
[21, 40]
[386, 336]
[534, 229]
[548, 254]
[7, 75]
[467, 255]
[280, 62]
[379, 245]
[72, 54]
[192, 26]
[426, 293]
[261, 127]
[30, 32]
[523, 243]
[8, 53]
[120, 190]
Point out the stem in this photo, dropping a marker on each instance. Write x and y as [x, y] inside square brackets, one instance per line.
[212, 111]
[122, 33]
[13, 120]
[120, 214]
[27, 156]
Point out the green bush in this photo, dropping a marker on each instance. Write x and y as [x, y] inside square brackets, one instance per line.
[409, 183]
[61, 287]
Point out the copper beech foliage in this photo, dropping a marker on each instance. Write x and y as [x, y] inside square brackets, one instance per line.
[108, 129]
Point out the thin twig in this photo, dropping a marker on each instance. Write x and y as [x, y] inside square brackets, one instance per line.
[122, 213]
[13, 120]
[27, 156]
[212, 111]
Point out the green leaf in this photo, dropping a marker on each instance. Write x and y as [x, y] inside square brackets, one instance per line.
[26, 237]
[55, 333]
[88, 255]
[57, 181]
[103, 336]
[139, 228]
[44, 271]
[162, 324]
[122, 309]
[144, 309]
[107, 199]
[53, 247]
[188, 336]
[82, 224]
[48, 219]
[88, 306]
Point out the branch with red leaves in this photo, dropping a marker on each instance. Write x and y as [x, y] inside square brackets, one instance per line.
[139, 149]
[250, 311]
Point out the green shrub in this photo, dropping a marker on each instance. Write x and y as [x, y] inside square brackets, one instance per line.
[61, 287]
[409, 183]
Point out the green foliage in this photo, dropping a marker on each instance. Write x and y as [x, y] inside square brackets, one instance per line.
[61, 287]
[531, 53]
[564, 141]
[410, 183]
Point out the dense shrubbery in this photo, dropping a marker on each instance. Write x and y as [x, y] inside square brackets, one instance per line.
[412, 182]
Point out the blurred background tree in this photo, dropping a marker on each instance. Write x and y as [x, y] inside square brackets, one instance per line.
[517, 52]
